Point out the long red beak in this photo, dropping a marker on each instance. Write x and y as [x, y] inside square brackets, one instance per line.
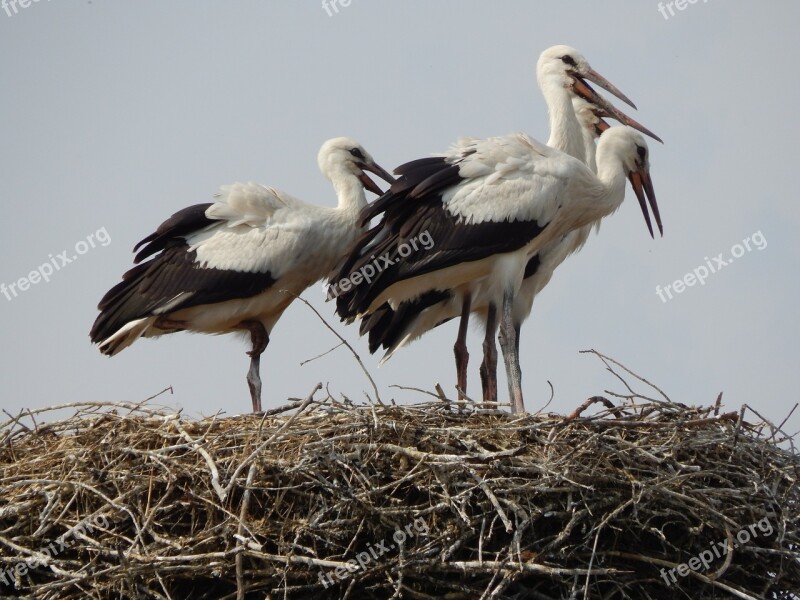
[643, 187]
[380, 172]
[585, 91]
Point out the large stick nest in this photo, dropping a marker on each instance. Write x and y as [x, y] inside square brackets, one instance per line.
[324, 499]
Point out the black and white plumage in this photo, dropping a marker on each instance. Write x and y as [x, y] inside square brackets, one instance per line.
[489, 206]
[237, 263]
[392, 330]
[561, 71]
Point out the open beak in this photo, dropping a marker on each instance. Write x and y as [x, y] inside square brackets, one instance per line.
[604, 83]
[643, 187]
[603, 108]
[380, 172]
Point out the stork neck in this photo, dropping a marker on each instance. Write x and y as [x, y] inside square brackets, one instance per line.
[589, 147]
[565, 129]
[611, 173]
[349, 191]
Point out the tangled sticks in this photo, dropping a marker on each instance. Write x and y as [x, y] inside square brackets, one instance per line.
[643, 499]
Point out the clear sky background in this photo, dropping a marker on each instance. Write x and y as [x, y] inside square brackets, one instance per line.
[115, 115]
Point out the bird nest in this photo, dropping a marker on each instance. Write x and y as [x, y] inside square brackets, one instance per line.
[645, 498]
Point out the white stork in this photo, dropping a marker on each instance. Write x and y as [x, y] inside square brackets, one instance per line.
[560, 72]
[393, 330]
[236, 264]
[489, 206]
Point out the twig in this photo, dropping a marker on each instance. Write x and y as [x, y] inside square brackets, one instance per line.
[341, 339]
[607, 360]
[308, 360]
[272, 438]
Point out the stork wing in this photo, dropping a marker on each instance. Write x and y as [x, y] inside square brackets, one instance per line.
[208, 253]
[184, 222]
[249, 204]
[485, 198]
[171, 281]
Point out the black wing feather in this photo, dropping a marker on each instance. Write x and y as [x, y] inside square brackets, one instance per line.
[415, 174]
[411, 207]
[150, 286]
[385, 326]
[184, 222]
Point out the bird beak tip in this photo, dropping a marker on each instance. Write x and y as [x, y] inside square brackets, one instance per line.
[378, 170]
[370, 185]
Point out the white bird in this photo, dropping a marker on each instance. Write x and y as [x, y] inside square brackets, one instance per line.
[489, 206]
[394, 330]
[560, 73]
[236, 264]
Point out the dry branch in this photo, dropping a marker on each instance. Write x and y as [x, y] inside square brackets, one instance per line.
[321, 499]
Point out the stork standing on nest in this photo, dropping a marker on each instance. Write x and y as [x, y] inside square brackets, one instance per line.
[394, 329]
[575, 113]
[236, 264]
[489, 206]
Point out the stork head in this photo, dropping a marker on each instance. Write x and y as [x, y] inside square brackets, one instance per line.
[346, 155]
[627, 146]
[568, 67]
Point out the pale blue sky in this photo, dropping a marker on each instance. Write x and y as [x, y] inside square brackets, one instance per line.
[116, 115]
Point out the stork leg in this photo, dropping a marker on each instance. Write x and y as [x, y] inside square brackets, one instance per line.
[489, 366]
[259, 338]
[509, 343]
[460, 348]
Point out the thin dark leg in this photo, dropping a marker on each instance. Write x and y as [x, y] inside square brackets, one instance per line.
[460, 349]
[509, 342]
[259, 338]
[489, 366]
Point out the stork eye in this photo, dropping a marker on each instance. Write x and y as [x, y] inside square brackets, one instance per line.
[357, 153]
[569, 60]
[642, 152]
